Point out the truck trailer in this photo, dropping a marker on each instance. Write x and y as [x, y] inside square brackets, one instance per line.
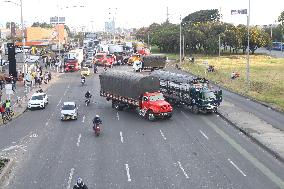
[195, 93]
[135, 91]
[151, 62]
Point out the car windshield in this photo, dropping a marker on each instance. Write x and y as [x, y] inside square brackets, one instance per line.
[209, 95]
[85, 69]
[40, 97]
[156, 97]
[68, 107]
[109, 56]
[99, 56]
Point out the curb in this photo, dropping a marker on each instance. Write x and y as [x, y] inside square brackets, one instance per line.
[258, 142]
[6, 170]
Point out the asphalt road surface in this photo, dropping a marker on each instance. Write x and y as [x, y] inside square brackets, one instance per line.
[187, 151]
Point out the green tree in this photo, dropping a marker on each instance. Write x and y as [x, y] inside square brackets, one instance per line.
[202, 16]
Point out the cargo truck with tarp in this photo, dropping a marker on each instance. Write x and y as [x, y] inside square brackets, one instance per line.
[151, 62]
[135, 91]
[195, 93]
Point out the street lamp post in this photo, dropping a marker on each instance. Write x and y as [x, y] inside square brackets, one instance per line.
[248, 61]
[180, 41]
[23, 39]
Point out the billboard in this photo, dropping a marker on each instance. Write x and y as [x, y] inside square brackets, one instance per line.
[56, 20]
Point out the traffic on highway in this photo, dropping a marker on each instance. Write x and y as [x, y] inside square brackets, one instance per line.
[138, 108]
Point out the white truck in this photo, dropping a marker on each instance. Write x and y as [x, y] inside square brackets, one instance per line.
[115, 48]
[77, 54]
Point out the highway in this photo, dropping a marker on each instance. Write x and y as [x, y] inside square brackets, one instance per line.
[187, 151]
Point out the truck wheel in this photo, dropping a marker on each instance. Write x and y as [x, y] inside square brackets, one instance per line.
[150, 116]
[195, 109]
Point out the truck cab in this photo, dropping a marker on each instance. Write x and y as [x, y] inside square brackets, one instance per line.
[153, 105]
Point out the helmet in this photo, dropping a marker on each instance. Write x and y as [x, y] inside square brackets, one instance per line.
[79, 181]
[97, 116]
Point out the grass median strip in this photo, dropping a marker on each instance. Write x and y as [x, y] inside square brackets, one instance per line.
[266, 75]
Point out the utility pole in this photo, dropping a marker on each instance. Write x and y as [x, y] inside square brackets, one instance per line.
[182, 46]
[248, 61]
[180, 41]
[167, 20]
[219, 45]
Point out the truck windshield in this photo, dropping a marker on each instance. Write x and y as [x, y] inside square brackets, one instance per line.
[209, 95]
[156, 97]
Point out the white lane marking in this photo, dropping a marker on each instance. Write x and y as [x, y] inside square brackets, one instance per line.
[15, 147]
[127, 172]
[117, 115]
[68, 86]
[70, 178]
[185, 174]
[59, 102]
[163, 135]
[83, 119]
[121, 137]
[204, 134]
[46, 124]
[79, 139]
[237, 167]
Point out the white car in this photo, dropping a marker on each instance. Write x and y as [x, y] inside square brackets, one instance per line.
[38, 100]
[32, 59]
[69, 111]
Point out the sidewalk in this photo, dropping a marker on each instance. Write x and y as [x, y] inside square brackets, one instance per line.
[264, 134]
[18, 100]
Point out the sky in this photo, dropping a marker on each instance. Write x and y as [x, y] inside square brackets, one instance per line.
[134, 14]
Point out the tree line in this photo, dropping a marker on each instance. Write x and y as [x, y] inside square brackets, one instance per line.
[202, 30]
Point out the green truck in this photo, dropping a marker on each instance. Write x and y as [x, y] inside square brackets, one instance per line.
[195, 93]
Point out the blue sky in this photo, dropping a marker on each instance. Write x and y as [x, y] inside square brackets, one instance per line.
[129, 13]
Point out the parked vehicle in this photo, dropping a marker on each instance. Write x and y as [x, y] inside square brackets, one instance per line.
[38, 100]
[113, 48]
[135, 91]
[69, 111]
[195, 93]
[150, 62]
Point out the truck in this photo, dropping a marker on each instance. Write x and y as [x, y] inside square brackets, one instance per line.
[77, 54]
[135, 91]
[193, 92]
[72, 65]
[113, 48]
[150, 62]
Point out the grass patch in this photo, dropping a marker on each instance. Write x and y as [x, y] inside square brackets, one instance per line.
[266, 75]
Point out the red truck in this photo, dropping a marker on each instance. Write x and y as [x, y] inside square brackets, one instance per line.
[135, 91]
[72, 65]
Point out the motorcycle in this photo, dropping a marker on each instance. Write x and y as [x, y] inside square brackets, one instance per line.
[95, 69]
[87, 101]
[97, 129]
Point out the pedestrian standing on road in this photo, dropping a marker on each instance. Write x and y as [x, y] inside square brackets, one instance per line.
[14, 81]
[1, 93]
[8, 106]
[1, 83]
[2, 110]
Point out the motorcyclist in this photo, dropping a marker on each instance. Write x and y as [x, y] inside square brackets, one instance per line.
[80, 184]
[83, 78]
[88, 95]
[97, 120]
